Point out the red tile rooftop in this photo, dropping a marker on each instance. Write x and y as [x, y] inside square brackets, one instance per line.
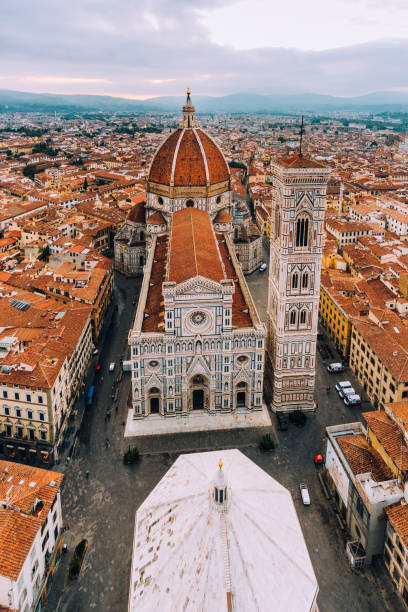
[299, 161]
[193, 247]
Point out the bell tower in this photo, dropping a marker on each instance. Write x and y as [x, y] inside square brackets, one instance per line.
[299, 200]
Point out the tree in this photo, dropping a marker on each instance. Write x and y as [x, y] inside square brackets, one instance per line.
[281, 139]
[374, 144]
[30, 171]
[44, 253]
[85, 185]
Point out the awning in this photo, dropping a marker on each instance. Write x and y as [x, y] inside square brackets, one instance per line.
[33, 450]
[10, 445]
[21, 448]
[44, 452]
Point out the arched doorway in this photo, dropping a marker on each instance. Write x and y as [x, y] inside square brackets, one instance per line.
[154, 400]
[199, 392]
[189, 203]
[241, 394]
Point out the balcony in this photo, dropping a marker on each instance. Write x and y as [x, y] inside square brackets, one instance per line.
[356, 554]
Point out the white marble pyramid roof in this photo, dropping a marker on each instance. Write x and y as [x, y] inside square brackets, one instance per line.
[188, 556]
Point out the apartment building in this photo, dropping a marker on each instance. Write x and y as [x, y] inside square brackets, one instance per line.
[379, 357]
[396, 546]
[92, 285]
[44, 354]
[362, 485]
[338, 306]
[387, 432]
[31, 540]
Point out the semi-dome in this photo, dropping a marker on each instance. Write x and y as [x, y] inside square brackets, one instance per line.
[188, 157]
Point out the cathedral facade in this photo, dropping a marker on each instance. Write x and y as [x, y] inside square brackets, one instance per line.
[188, 170]
[299, 201]
[197, 343]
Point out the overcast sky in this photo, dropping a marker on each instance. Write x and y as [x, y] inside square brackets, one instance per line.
[143, 48]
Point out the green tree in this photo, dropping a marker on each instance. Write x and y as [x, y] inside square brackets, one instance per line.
[85, 185]
[44, 253]
[30, 171]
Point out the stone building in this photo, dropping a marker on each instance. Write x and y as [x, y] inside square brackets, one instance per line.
[294, 280]
[197, 343]
[130, 243]
[187, 170]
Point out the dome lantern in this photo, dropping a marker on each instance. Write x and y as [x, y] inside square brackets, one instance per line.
[188, 120]
[220, 487]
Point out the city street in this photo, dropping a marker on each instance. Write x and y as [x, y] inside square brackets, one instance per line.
[102, 507]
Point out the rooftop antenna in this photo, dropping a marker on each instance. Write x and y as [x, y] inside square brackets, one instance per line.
[302, 131]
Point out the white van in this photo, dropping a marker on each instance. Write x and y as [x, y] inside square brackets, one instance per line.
[304, 491]
[111, 366]
[263, 267]
[342, 386]
[333, 368]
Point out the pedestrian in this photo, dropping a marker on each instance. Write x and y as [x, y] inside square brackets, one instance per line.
[68, 459]
[87, 474]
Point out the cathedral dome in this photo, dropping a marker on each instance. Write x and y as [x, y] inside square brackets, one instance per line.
[188, 157]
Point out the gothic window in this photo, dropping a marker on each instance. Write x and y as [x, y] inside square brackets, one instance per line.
[160, 200]
[292, 319]
[302, 232]
[295, 280]
[303, 317]
[218, 199]
[277, 222]
[141, 260]
[305, 280]
[236, 234]
[142, 236]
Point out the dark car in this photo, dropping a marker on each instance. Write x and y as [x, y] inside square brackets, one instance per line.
[283, 421]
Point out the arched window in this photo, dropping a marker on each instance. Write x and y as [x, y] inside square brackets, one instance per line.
[305, 280]
[142, 236]
[302, 232]
[303, 317]
[189, 203]
[292, 319]
[160, 200]
[295, 280]
[218, 200]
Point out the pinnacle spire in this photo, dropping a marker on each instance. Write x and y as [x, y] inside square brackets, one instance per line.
[188, 120]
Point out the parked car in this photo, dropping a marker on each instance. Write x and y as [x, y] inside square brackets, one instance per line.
[263, 267]
[347, 391]
[112, 366]
[352, 400]
[282, 421]
[333, 368]
[304, 491]
[345, 384]
[98, 367]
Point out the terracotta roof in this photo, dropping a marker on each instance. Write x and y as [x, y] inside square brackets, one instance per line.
[137, 214]
[398, 517]
[188, 158]
[156, 219]
[193, 248]
[362, 458]
[20, 487]
[299, 161]
[389, 435]
[223, 217]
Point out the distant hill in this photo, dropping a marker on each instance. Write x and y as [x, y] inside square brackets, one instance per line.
[234, 103]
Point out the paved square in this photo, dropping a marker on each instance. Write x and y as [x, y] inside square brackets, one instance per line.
[157, 424]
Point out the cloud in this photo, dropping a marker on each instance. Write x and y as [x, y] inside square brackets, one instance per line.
[142, 47]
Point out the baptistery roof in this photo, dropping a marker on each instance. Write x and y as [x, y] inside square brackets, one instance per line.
[188, 157]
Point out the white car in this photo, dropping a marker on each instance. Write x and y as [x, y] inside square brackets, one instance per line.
[95, 351]
[304, 491]
[263, 267]
[342, 386]
[111, 366]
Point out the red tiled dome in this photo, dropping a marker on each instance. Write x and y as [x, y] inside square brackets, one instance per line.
[188, 158]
